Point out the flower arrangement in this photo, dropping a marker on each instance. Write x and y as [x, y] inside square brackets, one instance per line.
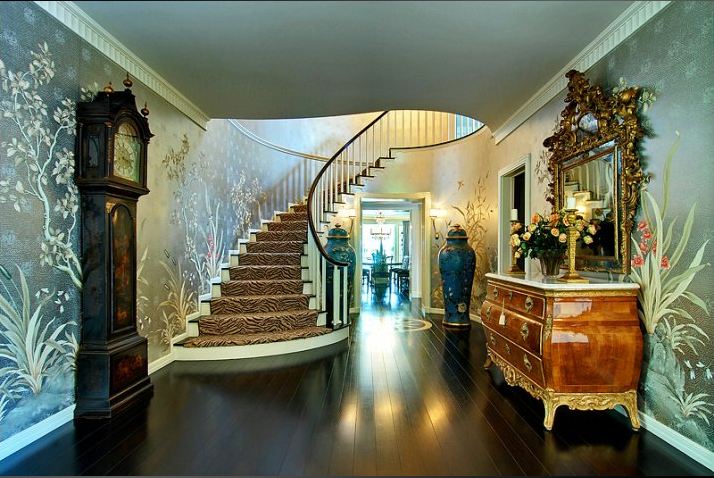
[546, 237]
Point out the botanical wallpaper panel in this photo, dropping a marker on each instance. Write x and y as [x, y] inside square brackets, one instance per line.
[207, 189]
[672, 59]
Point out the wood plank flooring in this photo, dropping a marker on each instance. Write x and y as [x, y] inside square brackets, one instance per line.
[395, 402]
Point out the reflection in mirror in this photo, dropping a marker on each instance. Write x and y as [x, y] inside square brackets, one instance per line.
[593, 158]
[591, 180]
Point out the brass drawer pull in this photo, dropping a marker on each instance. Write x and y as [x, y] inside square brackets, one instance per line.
[488, 312]
[529, 303]
[510, 295]
[495, 293]
[527, 363]
[524, 331]
[508, 349]
[493, 340]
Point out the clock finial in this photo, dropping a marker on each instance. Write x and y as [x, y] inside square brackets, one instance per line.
[145, 110]
[127, 81]
[109, 88]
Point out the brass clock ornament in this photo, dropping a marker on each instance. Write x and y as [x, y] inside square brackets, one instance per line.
[112, 141]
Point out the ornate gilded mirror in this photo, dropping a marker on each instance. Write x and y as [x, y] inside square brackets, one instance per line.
[593, 158]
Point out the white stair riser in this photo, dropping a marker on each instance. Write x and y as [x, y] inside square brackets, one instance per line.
[205, 308]
[192, 329]
[322, 319]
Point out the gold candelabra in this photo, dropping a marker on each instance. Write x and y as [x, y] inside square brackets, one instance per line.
[514, 270]
[572, 275]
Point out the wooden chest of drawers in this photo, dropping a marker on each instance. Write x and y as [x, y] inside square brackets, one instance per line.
[578, 345]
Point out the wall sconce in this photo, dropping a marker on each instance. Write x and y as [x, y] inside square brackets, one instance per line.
[348, 213]
[435, 214]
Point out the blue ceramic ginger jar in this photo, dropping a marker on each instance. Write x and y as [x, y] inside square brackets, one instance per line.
[457, 263]
[338, 248]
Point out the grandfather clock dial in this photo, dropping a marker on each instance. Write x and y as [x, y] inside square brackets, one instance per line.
[112, 142]
[127, 152]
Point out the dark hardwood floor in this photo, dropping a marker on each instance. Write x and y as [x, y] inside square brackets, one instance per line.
[403, 399]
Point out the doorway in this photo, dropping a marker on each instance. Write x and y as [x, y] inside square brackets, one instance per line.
[391, 247]
[513, 198]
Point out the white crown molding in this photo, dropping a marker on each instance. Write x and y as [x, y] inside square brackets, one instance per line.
[74, 18]
[35, 432]
[625, 25]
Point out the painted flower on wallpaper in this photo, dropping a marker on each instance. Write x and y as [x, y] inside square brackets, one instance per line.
[475, 215]
[671, 314]
[245, 198]
[179, 303]
[43, 168]
[34, 348]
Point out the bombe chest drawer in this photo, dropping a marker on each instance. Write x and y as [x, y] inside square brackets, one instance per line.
[578, 345]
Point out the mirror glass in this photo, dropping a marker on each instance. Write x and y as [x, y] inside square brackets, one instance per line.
[593, 158]
[591, 178]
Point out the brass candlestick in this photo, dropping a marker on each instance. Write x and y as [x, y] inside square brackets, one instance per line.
[572, 275]
[514, 270]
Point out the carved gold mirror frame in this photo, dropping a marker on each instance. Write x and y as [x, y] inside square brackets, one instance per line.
[592, 126]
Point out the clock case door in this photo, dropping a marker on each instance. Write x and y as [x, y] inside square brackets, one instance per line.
[112, 363]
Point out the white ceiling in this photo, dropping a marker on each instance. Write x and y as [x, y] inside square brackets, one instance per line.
[307, 59]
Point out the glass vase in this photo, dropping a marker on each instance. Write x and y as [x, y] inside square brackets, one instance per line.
[550, 264]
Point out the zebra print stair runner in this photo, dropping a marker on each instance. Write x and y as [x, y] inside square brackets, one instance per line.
[263, 301]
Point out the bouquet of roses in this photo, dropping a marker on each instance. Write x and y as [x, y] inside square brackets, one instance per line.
[548, 235]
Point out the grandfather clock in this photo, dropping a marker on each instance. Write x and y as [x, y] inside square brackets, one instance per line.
[112, 364]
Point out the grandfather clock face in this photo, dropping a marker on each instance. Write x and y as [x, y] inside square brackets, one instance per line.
[127, 152]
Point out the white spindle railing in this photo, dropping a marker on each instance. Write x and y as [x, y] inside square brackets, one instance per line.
[354, 162]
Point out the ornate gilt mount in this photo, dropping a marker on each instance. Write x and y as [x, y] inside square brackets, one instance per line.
[591, 125]
[576, 401]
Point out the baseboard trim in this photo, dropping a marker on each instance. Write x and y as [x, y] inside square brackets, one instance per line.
[260, 350]
[162, 362]
[35, 432]
[432, 310]
[687, 446]
[475, 318]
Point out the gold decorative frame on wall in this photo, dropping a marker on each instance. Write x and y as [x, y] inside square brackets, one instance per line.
[617, 125]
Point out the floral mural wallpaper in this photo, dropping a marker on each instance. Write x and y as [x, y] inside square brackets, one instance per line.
[208, 188]
[671, 58]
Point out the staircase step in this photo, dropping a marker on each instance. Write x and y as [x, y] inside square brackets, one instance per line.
[281, 236]
[261, 287]
[261, 322]
[299, 208]
[288, 226]
[292, 216]
[269, 259]
[249, 339]
[265, 273]
[293, 247]
[259, 303]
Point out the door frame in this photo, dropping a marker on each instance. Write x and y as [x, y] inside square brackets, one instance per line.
[419, 205]
[505, 204]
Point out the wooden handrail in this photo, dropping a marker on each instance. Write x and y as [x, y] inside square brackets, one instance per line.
[311, 194]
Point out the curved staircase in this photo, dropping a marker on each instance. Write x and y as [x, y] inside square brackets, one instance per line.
[265, 298]
[281, 292]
